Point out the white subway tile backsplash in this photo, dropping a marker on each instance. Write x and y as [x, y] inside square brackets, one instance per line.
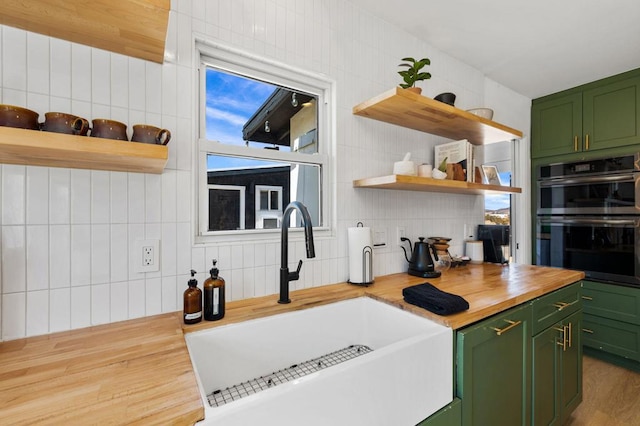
[119, 252]
[14, 59]
[80, 255]
[59, 309]
[153, 87]
[153, 296]
[119, 197]
[168, 250]
[136, 197]
[14, 259]
[14, 311]
[37, 257]
[60, 69]
[100, 74]
[38, 63]
[100, 304]
[59, 196]
[37, 312]
[80, 73]
[119, 82]
[137, 299]
[13, 194]
[153, 198]
[119, 306]
[137, 86]
[100, 192]
[60, 256]
[169, 188]
[80, 196]
[170, 300]
[100, 254]
[37, 207]
[80, 306]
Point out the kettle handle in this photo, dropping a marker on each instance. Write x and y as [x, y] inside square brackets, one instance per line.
[403, 239]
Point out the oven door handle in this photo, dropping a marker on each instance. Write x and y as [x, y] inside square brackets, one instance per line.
[589, 221]
[626, 177]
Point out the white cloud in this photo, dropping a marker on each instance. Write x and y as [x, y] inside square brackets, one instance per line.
[231, 118]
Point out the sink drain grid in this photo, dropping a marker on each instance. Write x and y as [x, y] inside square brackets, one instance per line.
[223, 396]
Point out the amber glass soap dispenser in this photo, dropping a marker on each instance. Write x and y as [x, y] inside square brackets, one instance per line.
[213, 295]
[192, 312]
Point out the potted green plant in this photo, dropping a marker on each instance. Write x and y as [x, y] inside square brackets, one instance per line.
[412, 73]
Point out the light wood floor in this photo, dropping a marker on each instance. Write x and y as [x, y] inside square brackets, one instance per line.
[611, 396]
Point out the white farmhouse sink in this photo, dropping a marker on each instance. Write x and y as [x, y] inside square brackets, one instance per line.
[406, 377]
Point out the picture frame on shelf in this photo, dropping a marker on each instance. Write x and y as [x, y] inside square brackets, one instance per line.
[491, 175]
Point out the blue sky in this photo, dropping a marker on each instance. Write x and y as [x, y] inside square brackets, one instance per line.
[498, 201]
[231, 101]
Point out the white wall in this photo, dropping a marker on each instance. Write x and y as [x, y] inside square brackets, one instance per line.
[67, 235]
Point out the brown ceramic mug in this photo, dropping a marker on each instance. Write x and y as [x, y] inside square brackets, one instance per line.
[60, 122]
[150, 134]
[109, 129]
[13, 116]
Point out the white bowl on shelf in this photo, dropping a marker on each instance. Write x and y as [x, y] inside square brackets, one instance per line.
[482, 112]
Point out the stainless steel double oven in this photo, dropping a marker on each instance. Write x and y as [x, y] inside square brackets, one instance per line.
[588, 218]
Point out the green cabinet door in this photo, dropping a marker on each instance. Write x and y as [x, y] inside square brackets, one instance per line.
[446, 416]
[611, 115]
[557, 372]
[494, 370]
[556, 126]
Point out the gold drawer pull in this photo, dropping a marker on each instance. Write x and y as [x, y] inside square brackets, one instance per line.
[586, 330]
[561, 305]
[587, 298]
[575, 143]
[570, 333]
[586, 142]
[507, 328]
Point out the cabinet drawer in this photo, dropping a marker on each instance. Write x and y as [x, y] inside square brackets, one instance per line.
[616, 337]
[553, 307]
[611, 301]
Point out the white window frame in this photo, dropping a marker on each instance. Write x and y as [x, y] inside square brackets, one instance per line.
[269, 213]
[242, 193]
[239, 62]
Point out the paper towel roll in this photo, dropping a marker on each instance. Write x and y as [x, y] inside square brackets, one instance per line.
[360, 255]
[475, 251]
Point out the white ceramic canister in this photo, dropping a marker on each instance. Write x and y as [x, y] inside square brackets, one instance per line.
[475, 251]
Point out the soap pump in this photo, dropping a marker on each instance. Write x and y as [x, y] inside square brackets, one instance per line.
[214, 295]
[192, 312]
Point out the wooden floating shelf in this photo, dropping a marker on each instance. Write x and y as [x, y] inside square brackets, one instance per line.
[135, 28]
[417, 183]
[407, 109]
[36, 148]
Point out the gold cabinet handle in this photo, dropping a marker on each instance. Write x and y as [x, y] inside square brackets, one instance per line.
[587, 298]
[563, 330]
[587, 330]
[500, 331]
[575, 143]
[586, 142]
[562, 305]
[570, 333]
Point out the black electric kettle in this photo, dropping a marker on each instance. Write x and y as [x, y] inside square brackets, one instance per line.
[422, 261]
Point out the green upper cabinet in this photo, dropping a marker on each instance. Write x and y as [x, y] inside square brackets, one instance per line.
[556, 125]
[600, 115]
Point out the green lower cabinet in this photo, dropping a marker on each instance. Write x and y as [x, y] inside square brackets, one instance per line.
[451, 415]
[615, 337]
[557, 371]
[494, 370]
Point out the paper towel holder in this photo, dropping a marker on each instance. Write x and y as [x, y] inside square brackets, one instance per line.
[367, 264]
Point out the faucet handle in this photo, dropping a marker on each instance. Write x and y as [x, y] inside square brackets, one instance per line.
[294, 276]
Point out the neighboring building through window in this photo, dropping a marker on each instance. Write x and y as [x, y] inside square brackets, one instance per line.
[261, 145]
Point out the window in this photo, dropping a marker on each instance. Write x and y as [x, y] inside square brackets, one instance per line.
[264, 142]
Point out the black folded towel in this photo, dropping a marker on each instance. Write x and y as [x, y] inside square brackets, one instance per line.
[435, 300]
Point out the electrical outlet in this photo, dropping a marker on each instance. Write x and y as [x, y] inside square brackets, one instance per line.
[146, 256]
[400, 233]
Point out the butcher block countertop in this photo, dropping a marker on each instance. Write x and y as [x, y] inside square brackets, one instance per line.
[139, 371]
